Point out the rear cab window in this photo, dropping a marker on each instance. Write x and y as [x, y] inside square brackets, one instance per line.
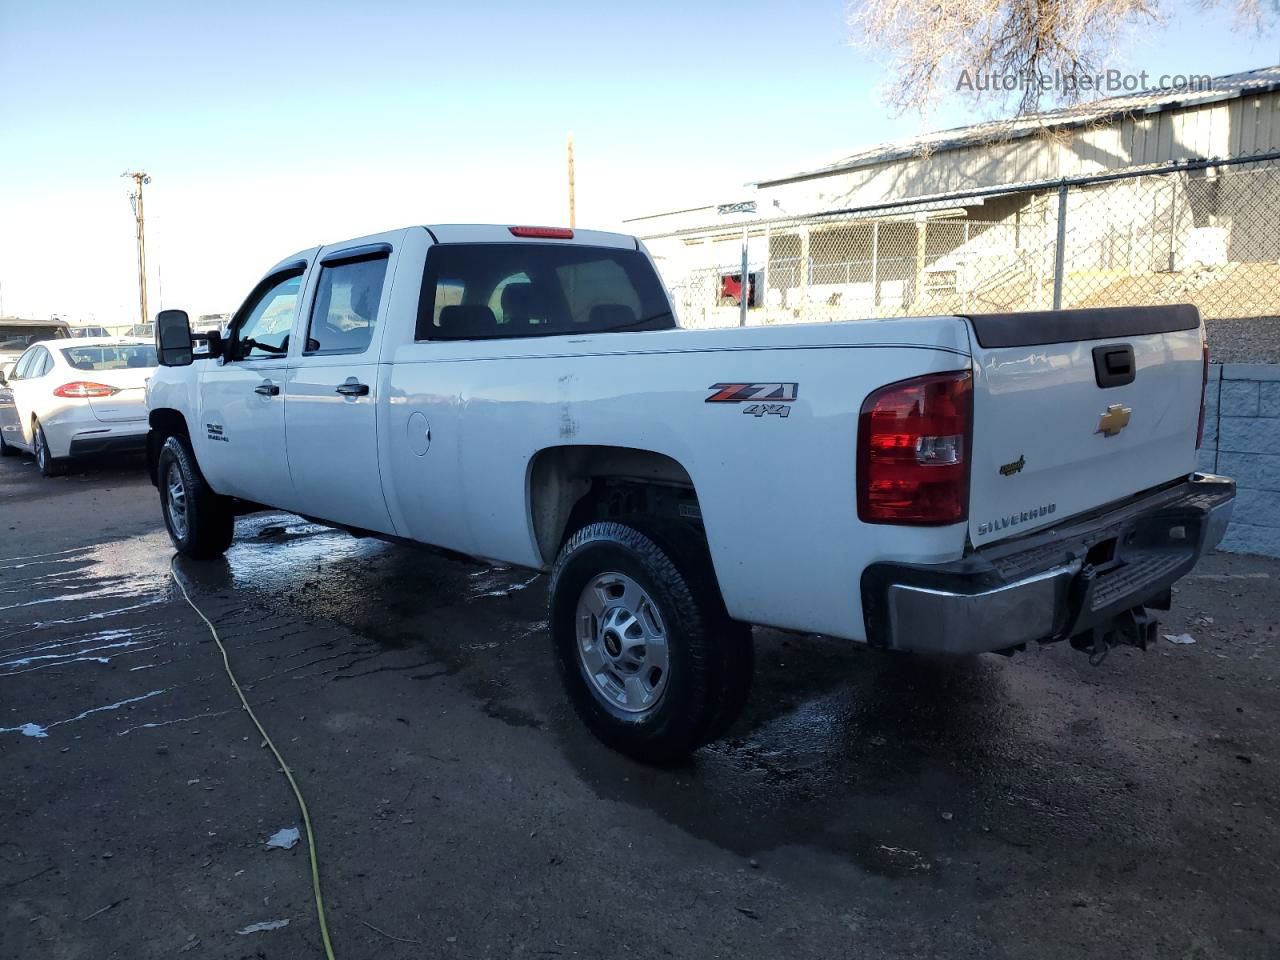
[484, 291]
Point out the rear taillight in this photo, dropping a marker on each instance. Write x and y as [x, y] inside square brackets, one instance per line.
[1204, 389]
[80, 389]
[913, 456]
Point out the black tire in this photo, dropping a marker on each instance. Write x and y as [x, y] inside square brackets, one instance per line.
[709, 656]
[200, 522]
[49, 467]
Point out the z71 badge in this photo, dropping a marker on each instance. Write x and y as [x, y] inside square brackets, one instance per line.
[761, 399]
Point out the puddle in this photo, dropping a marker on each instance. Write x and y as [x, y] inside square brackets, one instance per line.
[102, 587]
[494, 582]
[102, 648]
[19, 563]
[42, 730]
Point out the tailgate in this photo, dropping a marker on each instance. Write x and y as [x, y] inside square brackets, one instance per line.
[1075, 409]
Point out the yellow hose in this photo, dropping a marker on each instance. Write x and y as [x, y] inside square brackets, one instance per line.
[302, 804]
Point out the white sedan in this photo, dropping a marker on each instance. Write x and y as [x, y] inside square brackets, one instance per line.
[76, 398]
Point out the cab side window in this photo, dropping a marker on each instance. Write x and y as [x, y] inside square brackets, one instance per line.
[262, 327]
[346, 305]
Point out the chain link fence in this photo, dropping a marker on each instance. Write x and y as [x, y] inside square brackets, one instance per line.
[1200, 233]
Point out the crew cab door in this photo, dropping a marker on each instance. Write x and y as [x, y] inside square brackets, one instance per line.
[332, 391]
[240, 440]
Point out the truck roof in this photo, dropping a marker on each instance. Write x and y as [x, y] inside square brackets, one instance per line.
[480, 233]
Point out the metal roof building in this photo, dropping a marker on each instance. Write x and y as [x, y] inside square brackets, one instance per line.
[1162, 196]
[1238, 116]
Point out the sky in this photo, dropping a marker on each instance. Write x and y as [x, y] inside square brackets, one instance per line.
[271, 127]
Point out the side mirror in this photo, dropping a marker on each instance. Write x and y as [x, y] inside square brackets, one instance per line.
[173, 338]
[214, 345]
[4, 377]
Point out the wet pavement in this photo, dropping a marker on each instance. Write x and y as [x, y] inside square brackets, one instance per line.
[868, 805]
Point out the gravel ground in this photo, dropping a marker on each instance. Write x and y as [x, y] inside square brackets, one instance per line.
[1244, 340]
[868, 805]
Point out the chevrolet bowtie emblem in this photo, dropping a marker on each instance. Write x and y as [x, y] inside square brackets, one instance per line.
[1114, 420]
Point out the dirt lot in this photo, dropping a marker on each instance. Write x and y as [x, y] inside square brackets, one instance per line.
[869, 805]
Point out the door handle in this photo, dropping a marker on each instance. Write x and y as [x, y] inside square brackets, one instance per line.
[1113, 365]
[267, 389]
[353, 388]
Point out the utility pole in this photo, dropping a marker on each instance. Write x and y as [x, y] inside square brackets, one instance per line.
[135, 199]
[572, 217]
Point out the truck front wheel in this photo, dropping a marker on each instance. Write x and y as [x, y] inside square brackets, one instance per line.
[200, 522]
[650, 659]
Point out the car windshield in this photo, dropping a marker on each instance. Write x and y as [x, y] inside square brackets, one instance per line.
[14, 337]
[112, 356]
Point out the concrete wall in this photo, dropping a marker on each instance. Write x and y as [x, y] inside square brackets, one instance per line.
[1242, 440]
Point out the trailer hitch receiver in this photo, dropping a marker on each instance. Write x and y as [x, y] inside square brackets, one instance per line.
[1135, 627]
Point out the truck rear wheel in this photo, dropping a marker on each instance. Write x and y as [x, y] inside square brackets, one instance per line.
[650, 659]
[200, 522]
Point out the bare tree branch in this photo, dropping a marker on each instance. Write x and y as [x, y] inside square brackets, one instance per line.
[1000, 51]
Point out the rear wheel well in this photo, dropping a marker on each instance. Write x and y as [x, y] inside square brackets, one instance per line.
[165, 423]
[572, 486]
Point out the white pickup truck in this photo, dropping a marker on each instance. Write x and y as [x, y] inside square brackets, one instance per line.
[521, 394]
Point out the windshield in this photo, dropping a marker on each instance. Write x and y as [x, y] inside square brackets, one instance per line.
[13, 337]
[124, 356]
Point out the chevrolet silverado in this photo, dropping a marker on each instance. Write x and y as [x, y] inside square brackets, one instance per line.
[946, 484]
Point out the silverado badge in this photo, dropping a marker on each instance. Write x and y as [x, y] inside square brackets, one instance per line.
[1115, 419]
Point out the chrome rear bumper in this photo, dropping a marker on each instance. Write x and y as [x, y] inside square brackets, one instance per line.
[1053, 584]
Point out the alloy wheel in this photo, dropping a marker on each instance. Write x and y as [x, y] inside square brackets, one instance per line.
[176, 500]
[622, 643]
